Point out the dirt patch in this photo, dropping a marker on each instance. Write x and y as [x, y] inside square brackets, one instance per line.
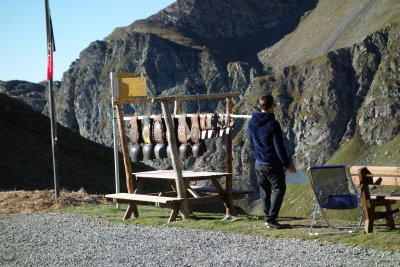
[43, 201]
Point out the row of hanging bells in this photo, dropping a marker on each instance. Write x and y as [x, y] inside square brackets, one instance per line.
[191, 139]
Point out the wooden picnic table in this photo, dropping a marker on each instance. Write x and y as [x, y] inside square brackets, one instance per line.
[168, 196]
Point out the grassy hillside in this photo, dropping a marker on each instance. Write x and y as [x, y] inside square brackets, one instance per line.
[329, 26]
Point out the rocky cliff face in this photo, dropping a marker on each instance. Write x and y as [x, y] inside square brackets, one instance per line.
[323, 102]
[171, 66]
[32, 94]
[170, 69]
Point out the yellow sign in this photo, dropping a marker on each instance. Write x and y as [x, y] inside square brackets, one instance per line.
[130, 88]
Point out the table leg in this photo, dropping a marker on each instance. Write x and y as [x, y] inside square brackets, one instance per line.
[166, 188]
[132, 208]
[190, 190]
[220, 190]
[140, 185]
[227, 201]
[389, 218]
[174, 213]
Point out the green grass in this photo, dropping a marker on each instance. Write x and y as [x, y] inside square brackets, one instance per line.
[295, 227]
[355, 152]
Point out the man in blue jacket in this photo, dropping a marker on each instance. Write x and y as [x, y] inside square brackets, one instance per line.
[265, 133]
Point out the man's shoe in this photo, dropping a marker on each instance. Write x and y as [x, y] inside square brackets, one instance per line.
[274, 224]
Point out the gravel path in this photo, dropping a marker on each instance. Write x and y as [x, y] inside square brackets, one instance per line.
[80, 240]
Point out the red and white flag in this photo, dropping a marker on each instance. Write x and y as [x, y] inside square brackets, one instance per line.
[51, 47]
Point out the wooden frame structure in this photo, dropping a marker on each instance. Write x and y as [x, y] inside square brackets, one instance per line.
[180, 203]
[377, 175]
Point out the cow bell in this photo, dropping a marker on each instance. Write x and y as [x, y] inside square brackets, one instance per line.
[198, 149]
[148, 152]
[136, 153]
[185, 150]
[160, 151]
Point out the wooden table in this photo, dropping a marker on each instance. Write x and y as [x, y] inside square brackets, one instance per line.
[167, 197]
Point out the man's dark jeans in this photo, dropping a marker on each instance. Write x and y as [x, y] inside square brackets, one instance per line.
[271, 179]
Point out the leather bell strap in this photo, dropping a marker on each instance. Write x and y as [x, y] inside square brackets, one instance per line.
[183, 129]
[211, 125]
[158, 129]
[134, 130]
[203, 127]
[221, 125]
[229, 121]
[195, 130]
[146, 130]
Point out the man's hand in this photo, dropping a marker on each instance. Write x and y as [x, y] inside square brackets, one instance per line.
[292, 169]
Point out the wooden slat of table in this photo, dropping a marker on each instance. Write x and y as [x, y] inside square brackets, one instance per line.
[142, 197]
[387, 196]
[190, 175]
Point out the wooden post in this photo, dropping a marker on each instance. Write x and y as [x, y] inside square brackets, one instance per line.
[127, 163]
[125, 151]
[176, 164]
[228, 163]
[369, 209]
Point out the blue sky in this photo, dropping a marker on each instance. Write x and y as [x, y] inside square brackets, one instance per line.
[76, 23]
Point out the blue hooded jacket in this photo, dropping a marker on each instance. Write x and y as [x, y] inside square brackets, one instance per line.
[264, 131]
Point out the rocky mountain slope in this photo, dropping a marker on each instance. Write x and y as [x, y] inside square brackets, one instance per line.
[334, 67]
[26, 155]
[32, 94]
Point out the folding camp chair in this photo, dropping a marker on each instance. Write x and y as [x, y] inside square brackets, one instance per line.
[333, 191]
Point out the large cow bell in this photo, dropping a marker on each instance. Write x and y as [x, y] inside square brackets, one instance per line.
[136, 153]
[185, 150]
[148, 152]
[160, 151]
[198, 149]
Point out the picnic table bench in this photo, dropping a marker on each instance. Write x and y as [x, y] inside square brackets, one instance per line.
[378, 176]
[168, 198]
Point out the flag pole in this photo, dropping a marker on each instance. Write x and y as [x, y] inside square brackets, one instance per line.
[50, 48]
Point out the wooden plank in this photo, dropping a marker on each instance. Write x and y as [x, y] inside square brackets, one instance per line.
[230, 211]
[177, 97]
[381, 175]
[378, 170]
[193, 192]
[144, 198]
[240, 116]
[176, 164]
[389, 180]
[189, 189]
[187, 175]
[386, 196]
[128, 118]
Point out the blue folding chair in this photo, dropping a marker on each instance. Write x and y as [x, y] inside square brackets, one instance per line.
[333, 191]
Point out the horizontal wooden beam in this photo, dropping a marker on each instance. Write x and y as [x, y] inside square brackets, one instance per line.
[378, 170]
[144, 198]
[177, 98]
[128, 118]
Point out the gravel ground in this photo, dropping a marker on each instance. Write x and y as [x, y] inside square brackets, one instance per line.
[80, 240]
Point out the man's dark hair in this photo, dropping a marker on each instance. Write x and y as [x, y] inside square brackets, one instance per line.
[265, 102]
